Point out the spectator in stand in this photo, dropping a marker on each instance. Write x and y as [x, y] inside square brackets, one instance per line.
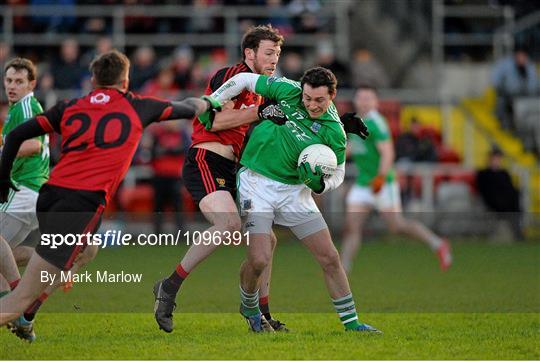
[66, 70]
[143, 68]
[326, 58]
[306, 20]
[277, 19]
[201, 20]
[218, 60]
[141, 24]
[169, 143]
[291, 65]
[5, 55]
[513, 76]
[499, 193]
[412, 147]
[3, 115]
[366, 70]
[183, 66]
[103, 45]
[64, 23]
[162, 86]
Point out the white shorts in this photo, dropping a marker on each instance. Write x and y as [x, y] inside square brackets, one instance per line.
[388, 198]
[263, 201]
[18, 215]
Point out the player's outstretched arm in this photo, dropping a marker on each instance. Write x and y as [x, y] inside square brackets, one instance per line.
[23, 132]
[191, 107]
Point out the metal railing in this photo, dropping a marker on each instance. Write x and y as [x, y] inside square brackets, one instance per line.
[230, 38]
[441, 39]
[503, 40]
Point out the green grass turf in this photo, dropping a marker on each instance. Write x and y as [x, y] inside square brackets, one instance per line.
[486, 307]
[315, 336]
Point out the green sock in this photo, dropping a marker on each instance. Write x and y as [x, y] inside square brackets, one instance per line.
[5, 292]
[249, 303]
[346, 311]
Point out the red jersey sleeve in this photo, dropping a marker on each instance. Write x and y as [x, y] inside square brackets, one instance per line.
[150, 109]
[51, 119]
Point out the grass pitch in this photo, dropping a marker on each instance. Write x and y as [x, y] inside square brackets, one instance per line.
[486, 307]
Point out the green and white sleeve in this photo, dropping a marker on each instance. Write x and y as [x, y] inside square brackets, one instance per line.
[235, 86]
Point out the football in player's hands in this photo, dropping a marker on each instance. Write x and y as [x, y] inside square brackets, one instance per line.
[312, 179]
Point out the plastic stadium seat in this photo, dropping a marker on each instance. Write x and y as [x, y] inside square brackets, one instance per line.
[139, 198]
[457, 207]
[447, 155]
[432, 134]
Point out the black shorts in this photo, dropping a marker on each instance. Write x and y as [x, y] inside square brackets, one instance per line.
[206, 172]
[66, 211]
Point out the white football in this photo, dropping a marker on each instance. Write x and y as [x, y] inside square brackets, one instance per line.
[319, 155]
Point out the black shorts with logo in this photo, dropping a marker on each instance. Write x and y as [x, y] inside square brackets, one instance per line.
[63, 211]
[206, 172]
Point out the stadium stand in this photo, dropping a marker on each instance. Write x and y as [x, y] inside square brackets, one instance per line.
[174, 48]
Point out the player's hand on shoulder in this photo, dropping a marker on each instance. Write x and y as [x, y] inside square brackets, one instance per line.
[5, 186]
[271, 111]
[354, 124]
[313, 180]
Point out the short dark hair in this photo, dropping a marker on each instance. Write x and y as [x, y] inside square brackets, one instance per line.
[369, 87]
[21, 64]
[521, 48]
[253, 37]
[320, 77]
[109, 68]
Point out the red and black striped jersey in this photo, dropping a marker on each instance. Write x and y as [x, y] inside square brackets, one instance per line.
[100, 133]
[234, 136]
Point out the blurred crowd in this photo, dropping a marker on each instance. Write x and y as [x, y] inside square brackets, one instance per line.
[179, 71]
[169, 73]
[517, 86]
[301, 16]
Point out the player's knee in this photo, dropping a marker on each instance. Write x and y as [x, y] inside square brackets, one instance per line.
[330, 261]
[259, 263]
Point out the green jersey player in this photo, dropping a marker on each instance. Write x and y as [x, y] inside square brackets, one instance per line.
[31, 167]
[272, 188]
[376, 186]
[30, 170]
